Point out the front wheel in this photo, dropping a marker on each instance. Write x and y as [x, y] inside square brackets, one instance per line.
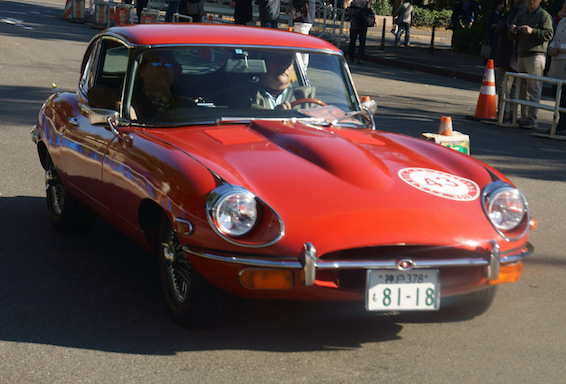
[193, 301]
[65, 213]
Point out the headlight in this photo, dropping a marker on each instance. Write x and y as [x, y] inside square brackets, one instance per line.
[506, 208]
[232, 210]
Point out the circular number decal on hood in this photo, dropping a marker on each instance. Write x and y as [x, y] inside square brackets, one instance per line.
[440, 184]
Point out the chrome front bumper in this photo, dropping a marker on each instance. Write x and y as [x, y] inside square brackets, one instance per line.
[309, 263]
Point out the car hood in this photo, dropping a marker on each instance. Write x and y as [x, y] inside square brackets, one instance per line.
[347, 188]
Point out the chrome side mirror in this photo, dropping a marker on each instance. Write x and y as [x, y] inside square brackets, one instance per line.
[103, 116]
[111, 118]
[369, 104]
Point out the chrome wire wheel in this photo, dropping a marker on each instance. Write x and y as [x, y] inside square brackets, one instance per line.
[65, 213]
[178, 270]
[192, 300]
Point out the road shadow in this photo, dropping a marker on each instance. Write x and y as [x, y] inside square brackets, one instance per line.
[100, 291]
[26, 101]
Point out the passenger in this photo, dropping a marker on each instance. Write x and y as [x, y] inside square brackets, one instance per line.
[156, 92]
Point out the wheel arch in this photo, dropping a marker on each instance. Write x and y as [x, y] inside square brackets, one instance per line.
[43, 154]
[150, 219]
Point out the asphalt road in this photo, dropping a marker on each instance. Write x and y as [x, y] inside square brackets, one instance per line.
[87, 308]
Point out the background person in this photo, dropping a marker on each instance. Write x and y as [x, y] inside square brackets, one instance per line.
[192, 8]
[140, 5]
[172, 8]
[470, 12]
[506, 57]
[533, 30]
[557, 69]
[303, 15]
[494, 17]
[405, 14]
[269, 11]
[358, 28]
[242, 11]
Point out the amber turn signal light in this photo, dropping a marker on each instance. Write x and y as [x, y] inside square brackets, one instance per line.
[272, 279]
[509, 273]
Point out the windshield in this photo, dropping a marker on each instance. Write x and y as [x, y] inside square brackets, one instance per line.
[191, 84]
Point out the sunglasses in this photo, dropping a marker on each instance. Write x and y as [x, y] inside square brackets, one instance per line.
[159, 64]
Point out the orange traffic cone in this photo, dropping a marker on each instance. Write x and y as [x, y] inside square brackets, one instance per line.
[487, 105]
[445, 128]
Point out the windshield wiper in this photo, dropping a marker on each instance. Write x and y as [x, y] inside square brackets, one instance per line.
[364, 113]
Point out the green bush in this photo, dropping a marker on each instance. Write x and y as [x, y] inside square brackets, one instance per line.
[383, 8]
[468, 40]
[426, 18]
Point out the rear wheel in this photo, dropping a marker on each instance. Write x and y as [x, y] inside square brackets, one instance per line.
[65, 213]
[193, 301]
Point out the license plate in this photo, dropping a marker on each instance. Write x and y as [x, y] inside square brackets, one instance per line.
[402, 291]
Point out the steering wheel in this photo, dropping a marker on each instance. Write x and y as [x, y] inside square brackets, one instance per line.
[309, 100]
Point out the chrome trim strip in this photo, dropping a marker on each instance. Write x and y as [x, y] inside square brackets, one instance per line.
[288, 262]
[186, 225]
[310, 264]
[35, 134]
[517, 254]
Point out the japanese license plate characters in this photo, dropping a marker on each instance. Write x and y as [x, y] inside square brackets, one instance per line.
[402, 291]
[440, 184]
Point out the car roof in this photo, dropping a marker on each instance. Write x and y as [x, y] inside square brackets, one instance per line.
[205, 34]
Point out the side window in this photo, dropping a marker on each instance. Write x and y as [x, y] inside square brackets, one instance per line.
[88, 68]
[107, 80]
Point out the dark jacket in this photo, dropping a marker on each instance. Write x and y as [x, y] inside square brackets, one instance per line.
[356, 11]
[243, 11]
[506, 52]
[269, 10]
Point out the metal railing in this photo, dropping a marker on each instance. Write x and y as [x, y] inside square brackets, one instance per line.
[515, 100]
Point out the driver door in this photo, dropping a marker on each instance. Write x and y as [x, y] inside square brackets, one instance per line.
[100, 87]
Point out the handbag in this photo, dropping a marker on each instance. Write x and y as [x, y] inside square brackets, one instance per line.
[369, 16]
[485, 51]
[300, 10]
[394, 29]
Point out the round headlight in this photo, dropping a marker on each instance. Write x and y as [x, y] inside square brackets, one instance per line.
[233, 211]
[506, 208]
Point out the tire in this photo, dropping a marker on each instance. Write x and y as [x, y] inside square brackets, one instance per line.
[65, 213]
[192, 300]
[470, 305]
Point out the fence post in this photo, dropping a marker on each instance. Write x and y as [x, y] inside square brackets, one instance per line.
[382, 46]
[431, 48]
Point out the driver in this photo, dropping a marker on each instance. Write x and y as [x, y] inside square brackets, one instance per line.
[157, 93]
[273, 90]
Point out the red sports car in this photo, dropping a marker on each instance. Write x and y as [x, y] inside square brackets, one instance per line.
[245, 160]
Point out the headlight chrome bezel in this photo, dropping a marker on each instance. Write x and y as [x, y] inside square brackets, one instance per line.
[507, 210]
[265, 225]
[225, 203]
